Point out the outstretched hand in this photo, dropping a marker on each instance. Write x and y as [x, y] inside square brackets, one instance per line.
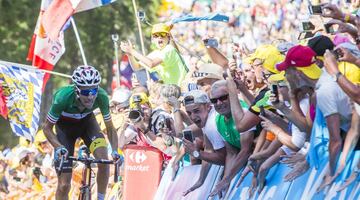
[221, 187]
[194, 187]
[126, 47]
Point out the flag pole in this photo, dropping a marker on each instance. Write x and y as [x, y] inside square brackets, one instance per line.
[78, 40]
[140, 35]
[115, 39]
[35, 69]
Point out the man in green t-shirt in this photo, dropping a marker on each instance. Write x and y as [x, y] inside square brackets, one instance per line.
[71, 113]
[238, 145]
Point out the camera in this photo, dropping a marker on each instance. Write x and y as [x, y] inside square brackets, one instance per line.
[37, 172]
[307, 26]
[305, 35]
[315, 10]
[135, 115]
[163, 122]
[137, 98]
[274, 90]
[338, 53]
[211, 42]
[330, 28]
[187, 134]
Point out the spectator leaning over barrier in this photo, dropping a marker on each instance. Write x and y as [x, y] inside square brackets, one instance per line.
[238, 145]
[332, 101]
[202, 114]
[352, 90]
[264, 60]
[166, 59]
[291, 138]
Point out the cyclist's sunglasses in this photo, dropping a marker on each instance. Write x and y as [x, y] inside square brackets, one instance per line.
[222, 99]
[88, 92]
[157, 35]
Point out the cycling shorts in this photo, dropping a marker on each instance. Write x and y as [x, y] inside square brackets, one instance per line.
[87, 129]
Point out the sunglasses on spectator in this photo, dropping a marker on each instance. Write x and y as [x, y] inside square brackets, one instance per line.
[258, 63]
[266, 75]
[88, 92]
[222, 99]
[157, 35]
[25, 160]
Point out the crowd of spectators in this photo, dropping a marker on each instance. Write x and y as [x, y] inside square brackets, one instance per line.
[248, 101]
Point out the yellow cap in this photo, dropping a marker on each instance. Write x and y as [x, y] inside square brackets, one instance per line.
[269, 55]
[144, 99]
[277, 77]
[312, 71]
[24, 142]
[160, 28]
[39, 138]
[247, 60]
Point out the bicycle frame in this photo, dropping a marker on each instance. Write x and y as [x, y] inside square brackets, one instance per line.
[85, 193]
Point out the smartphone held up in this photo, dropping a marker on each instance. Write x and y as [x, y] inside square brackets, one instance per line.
[187, 134]
[315, 9]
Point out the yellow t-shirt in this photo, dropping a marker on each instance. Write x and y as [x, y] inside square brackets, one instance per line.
[350, 71]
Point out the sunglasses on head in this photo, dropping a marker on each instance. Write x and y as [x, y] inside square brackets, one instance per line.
[157, 35]
[222, 98]
[188, 100]
[88, 92]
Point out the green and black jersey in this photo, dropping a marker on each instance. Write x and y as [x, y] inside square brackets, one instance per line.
[65, 105]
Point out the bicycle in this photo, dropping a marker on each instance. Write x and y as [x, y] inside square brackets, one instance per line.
[87, 160]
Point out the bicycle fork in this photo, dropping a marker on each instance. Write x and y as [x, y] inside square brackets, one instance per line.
[85, 193]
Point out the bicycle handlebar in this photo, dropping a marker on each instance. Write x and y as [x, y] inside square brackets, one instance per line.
[91, 160]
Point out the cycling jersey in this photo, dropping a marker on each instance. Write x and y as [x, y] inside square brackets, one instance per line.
[65, 105]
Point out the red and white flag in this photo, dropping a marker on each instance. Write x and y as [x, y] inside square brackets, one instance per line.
[45, 52]
[57, 14]
[61, 10]
[3, 108]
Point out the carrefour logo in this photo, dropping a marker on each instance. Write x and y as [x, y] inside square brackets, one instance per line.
[138, 157]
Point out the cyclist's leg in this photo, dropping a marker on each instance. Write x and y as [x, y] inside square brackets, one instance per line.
[64, 180]
[97, 144]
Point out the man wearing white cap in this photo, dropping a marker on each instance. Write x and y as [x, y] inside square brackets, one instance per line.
[202, 114]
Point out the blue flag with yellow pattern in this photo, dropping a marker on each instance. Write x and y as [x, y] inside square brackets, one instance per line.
[22, 88]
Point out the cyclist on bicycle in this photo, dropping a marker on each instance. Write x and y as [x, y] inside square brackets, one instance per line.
[72, 114]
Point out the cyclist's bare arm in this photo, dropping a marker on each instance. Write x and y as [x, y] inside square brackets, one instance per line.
[112, 136]
[50, 135]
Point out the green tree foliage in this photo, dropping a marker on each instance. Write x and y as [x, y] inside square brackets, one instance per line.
[17, 23]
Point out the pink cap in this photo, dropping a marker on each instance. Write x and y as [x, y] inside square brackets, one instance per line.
[297, 56]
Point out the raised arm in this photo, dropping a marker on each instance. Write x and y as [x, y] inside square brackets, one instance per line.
[133, 55]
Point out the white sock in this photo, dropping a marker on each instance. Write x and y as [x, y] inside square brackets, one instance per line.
[101, 196]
